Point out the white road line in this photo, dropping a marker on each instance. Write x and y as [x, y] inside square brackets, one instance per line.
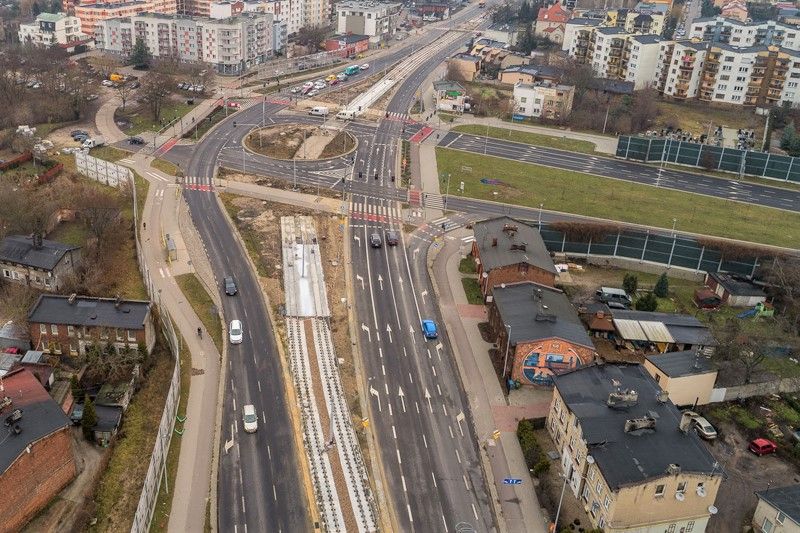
[410, 516]
[434, 370]
[243, 510]
[433, 476]
[444, 520]
[410, 378]
[458, 456]
[424, 441]
[259, 385]
[439, 389]
[269, 453]
[417, 404]
[234, 404]
[474, 511]
[464, 477]
[399, 461]
[452, 435]
[403, 479]
[394, 433]
[274, 493]
[444, 408]
[383, 370]
[264, 417]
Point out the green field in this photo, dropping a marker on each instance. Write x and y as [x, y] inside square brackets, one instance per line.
[527, 137]
[202, 304]
[584, 194]
[142, 120]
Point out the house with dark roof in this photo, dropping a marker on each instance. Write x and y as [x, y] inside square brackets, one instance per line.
[66, 325]
[36, 457]
[530, 74]
[651, 332]
[687, 376]
[778, 510]
[37, 262]
[628, 455]
[735, 291]
[506, 250]
[539, 330]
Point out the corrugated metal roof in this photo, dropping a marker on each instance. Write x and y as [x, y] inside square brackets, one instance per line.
[630, 330]
[656, 331]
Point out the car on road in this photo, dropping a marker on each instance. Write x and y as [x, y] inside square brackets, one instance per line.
[392, 237]
[235, 332]
[135, 140]
[704, 428]
[107, 83]
[330, 77]
[312, 92]
[429, 329]
[375, 240]
[341, 77]
[77, 413]
[334, 81]
[230, 286]
[295, 90]
[365, 66]
[250, 418]
[75, 133]
[762, 446]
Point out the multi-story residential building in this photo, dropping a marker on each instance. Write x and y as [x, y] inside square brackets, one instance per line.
[738, 33]
[635, 21]
[37, 262]
[231, 45]
[551, 23]
[577, 34]
[605, 52]
[92, 13]
[376, 19]
[640, 60]
[52, 29]
[628, 455]
[543, 99]
[680, 67]
[65, 325]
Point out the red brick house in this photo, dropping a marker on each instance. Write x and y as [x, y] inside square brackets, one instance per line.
[508, 251]
[36, 455]
[65, 325]
[347, 44]
[546, 335]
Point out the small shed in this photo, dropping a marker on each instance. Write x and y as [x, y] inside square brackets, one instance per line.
[687, 376]
[735, 291]
[108, 422]
[706, 299]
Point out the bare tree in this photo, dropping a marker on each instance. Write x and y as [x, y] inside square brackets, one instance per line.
[742, 346]
[154, 92]
[124, 91]
[105, 64]
[99, 209]
[784, 276]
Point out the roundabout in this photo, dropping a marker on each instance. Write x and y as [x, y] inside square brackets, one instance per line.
[302, 142]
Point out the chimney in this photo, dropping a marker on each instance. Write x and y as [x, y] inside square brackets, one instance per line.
[622, 399]
[37, 240]
[673, 469]
[636, 424]
[600, 314]
[494, 241]
[662, 396]
[71, 298]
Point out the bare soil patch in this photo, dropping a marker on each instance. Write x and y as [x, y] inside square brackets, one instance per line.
[280, 142]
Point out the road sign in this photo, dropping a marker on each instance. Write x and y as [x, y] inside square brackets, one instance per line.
[512, 481]
[496, 434]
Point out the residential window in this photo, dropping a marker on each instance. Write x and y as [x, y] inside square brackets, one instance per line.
[118, 334]
[591, 474]
[131, 336]
[658, 378]
[767, 526]
[727, 68]
[595, 508]
[602, 522]
[689, 526]
[104, 334]
[791, 84]
[70, 331]
[54, 329]
[42, 329]
[724, 77]
[6, 273]
[523, 99]
[780, 518]
[659, 490]
[681, 487]
[607, 503]
[73, 349]
[671, 528]
[598, 488]
[585, 494]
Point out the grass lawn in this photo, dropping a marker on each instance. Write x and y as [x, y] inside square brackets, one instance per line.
[575, 192]
[121, 484]
[164, 502]
[142, 121]
[695, 117]
[527, 137]
[734, 413]
[467, 266]
[165, 166]
[71, 232]
[473, 291]
[201, 302]
[781, 366]
[109, 153]
[446, 117]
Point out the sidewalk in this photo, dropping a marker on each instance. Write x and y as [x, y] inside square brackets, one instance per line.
[520, 508]
[163, 213]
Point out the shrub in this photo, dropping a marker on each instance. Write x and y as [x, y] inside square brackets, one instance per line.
[662, 286]
[630, 283]
[648, 302]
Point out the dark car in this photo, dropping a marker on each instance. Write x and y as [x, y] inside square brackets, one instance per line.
[136, 140]
[77, 413]
[375, 240]
[392, 238]
[80, 138]
[230, 286]
[76, 133]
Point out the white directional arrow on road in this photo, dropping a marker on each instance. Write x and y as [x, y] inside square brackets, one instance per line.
[414, 254]
[402, 397]
[356, 237]
[424, 294]
[428, 397]
[366, 328]
[380, 280]
[377, 395]
[459, 418]
[359, 278]
[389, 331]
[401, 283]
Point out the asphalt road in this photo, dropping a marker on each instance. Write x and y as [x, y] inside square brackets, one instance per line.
[259, 486]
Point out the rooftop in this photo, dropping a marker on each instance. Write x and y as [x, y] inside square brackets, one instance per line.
[679, 364]
[88, 311]
[504, 241]
[367, 5]
[50, 17]
[489, 43]
[736, 286]
[41, 416]
[544, 71]
[554, 13]
[350, 38]
[630, 457]
[611, 30]
[581, 21]
[537, 312]
[466, 57]
[20, 250]
[547, 84]
[784, 499]
[647, 39]
[445, 85]
[612, 86]
[108, 417]
[662, 328]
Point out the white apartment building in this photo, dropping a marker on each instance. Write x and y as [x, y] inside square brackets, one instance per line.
[742, 34]
[576, 35]
[231, 45]
[316, 12]
[377, 20]
[681, 65]
[640, 60]
[543, 99]
[290, 12]
[606, 50]
[52, 29]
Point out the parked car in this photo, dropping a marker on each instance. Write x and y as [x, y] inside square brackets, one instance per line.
[762, 446]
[392, 237]
[77, 413]
[295, 90]
[182, 85]
[235, 332]
[341, 77]
[91, 97]
[365, 66]
[135, 140]
[333, 82]
[107, 83]
[375, 240]
[704, 428]
[75, 133]
[312, 92]
[429, 329]
[250, 418]
[81, 138]
[230, 286]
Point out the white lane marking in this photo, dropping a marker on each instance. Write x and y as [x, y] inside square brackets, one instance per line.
[464, 477]
[383, 370]
[269, 453]
[274, 493]
[444, 408]
[264, 417]
[425, 441]
[410, 516]
[403, 479]
[433, 476]
[452, 435]
[434, 370]
[259, 385]
[474, 511]
[399, 461]
[161, 271]
[394, 433]
[458, 456]
[234, 404]
[243, 511]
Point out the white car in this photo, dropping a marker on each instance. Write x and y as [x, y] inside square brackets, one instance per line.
[107, 83]
[235, 332]
[320, 85]
[341, 77]
[295, 90]
[312, 93]
[365, 66]
[250, 418]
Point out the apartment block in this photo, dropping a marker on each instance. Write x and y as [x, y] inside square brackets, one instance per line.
[52, 29]
[640, 60]
[376, 19]
[633, 21]
[737, 33]
[680, 67]
[628, 455]
[231, 45]
[91, 13]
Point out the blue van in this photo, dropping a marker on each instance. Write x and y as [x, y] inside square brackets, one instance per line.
[429, 329]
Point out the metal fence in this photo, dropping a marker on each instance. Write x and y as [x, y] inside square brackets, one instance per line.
[664, 248]
[158, 460]
[742, 162]
[101, 170]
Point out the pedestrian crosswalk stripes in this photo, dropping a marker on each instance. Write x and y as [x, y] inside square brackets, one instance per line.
[432, 200]
[393, 115]
[195, 183]
[371, 212]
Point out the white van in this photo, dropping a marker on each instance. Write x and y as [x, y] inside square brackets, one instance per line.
[610, 294]
[319, 111]
[346, 115]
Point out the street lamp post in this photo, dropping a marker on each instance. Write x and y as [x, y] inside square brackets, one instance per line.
[674, 221]
[505, 358]
[540, 216]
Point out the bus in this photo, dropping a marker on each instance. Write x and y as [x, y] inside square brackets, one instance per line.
[352, 69]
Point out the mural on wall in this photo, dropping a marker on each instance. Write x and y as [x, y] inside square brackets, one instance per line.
[540, 363]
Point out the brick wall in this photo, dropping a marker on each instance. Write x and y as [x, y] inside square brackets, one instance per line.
[68, 344]
[35, 478]
[514, 274]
